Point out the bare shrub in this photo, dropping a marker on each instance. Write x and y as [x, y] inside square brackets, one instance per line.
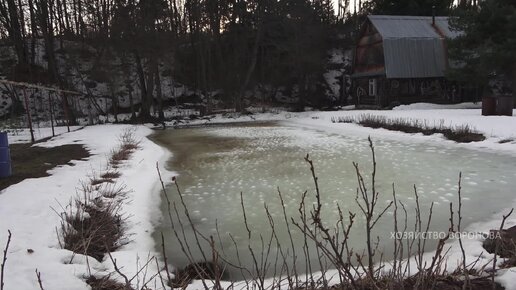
[119, 155]
[202, 270]
[114, 190]
[93, 228]
[107, 177]
[127, 145]
[93, 223]
[128, 141]
[101, 180]
[110, 175]
[463, 134]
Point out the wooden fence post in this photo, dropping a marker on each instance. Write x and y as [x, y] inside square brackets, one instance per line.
[65, 109]
[51, 107]
[29, 118]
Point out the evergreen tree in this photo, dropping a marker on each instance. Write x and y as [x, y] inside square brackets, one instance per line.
[409, 7]
[486, 46]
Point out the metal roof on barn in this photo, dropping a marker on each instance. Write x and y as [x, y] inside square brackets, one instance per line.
[412, 46]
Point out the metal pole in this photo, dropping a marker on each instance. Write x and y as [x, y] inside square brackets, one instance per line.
[29, 118]
[51, 105]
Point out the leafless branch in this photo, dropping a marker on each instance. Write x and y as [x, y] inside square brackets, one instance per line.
[497, 246]
[40, 283]
[9, 235]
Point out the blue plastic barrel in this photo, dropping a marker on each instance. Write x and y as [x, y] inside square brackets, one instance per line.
[5, 156]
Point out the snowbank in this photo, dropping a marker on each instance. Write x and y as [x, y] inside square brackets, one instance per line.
[30, 209]
[429, 106]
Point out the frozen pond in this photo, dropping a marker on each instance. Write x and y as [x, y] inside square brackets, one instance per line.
[216, 164]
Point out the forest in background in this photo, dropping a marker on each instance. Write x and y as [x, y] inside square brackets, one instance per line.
[217, 50]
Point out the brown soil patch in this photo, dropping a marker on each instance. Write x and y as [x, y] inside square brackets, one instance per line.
[33, 162]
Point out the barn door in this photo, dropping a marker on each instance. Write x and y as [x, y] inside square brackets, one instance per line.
[373, 90]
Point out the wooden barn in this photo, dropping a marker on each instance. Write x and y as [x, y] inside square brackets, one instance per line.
[403, 59]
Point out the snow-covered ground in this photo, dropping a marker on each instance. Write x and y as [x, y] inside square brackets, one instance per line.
[29, 208]
[495, 128]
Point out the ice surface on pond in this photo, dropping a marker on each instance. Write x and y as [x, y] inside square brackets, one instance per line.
[216, 164]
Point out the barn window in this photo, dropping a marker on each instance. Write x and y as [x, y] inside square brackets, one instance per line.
[372, 87]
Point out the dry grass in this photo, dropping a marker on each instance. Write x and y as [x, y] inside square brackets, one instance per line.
[462, 134]
[203, 270]
[128, 144]
[119, 155]
[101, 180]
[94, 229]
[93, 224]
[114, 191]
[344, 119]
[444, 282]
[106, 283]
[509, 263]
[110, 175]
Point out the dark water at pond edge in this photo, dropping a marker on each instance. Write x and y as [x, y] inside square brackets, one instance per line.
[216, 164]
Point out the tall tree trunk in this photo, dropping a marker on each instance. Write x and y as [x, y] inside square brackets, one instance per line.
[80, 25]
[131, 104]
[106, 19]
[66, 17]
[150, 83]
[48, 35]
[144, 114]
[514, 83]
[175, 18]
[150, 90]
[75, 8]
[22, 20]
[250, 70]
[114, 104]
[15, 33]
[159, 94]
[34, 32]
[60, 21]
